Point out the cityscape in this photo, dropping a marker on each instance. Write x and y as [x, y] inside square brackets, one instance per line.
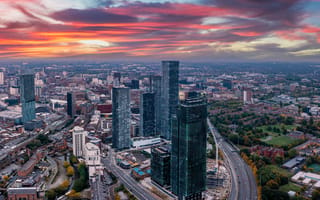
[160, 100]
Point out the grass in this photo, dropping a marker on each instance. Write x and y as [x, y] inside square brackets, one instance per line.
[280, 141]
[315, 167]
[290, 187]
[279, 126]
[280, 170]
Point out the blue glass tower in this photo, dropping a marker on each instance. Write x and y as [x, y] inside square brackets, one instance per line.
[27, 97]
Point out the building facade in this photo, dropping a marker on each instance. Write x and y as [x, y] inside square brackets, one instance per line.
[169, 95]
[78, 141]
[120, 117]
[156, 89]
[160, 165]
[188, 156]
[147, 114]
[27, 97]
[71, 104]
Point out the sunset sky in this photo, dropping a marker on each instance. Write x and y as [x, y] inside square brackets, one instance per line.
[204, 30]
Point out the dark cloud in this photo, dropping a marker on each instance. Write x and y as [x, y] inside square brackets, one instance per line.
[92, 16]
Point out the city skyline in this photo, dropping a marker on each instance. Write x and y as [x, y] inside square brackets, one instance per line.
[233, 30]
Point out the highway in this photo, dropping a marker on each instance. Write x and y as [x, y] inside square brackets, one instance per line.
[243, 185]
[132, 185]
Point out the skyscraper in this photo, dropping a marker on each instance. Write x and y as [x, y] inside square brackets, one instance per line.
[169, 95]
[160, 165]
[188, 156]
[135, 84]
[71, 104]
[1, 78]
[156, 89]
[116, 79]
[27, 97]
[147, 114]
[78, 141]
[120, 118]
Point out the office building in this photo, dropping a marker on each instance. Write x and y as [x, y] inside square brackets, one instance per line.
[156, 89]
[160, 165]
[93, 158]
[227, 83]
[169, 95]
[147, 114]
[120, 118]
[116, 79]
[78, 141]
[135, 84]
[27, 97]
[1, 78]
[71, 104]
[188, 155]
[247, 96]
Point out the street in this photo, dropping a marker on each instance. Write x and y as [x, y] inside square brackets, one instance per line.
[243, 186]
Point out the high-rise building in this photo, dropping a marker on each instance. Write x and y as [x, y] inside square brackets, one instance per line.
[160, 165]
[147, 114]
[227, 83]
[116, 79]
[78, 141]
[135, 84]
[156, 89]
[188, 155]
[1, 78]
[71, 104]
[247, 96]
[169, 95]
[27, 97]
[120, 117]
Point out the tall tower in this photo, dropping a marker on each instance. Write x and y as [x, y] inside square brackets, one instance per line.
[169, 95]
[147, 114]
[27, 97]
[71, 104]
[120, 117]
[1, 77]
[156, 89]
[78, 141]
[188, 156]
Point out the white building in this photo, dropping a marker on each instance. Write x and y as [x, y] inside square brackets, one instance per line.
[1, 78]
[307, 178]
[79, 141]
[141, 142]
[93, 159]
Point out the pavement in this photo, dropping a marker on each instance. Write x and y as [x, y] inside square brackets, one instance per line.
[243, 184]
[124, 177]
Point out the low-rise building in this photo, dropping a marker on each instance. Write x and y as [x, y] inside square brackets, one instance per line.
[24, 193]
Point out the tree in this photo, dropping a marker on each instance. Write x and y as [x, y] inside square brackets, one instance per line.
[66, 164]
[292, 153]
[51, 194]
[316, 194]
[272, 184]
[70, 171]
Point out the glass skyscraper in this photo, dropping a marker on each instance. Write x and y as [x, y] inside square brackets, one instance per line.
[160, 165]
[70, 104]
[121, 117]
[188, 155]
[147, 114]
[27, 97]
[169, 95]
[156, 89]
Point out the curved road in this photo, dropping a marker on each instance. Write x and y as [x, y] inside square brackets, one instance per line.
[132, 185]
[243, 186]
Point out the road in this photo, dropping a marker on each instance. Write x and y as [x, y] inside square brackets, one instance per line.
[243, 185]
[132, 185]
